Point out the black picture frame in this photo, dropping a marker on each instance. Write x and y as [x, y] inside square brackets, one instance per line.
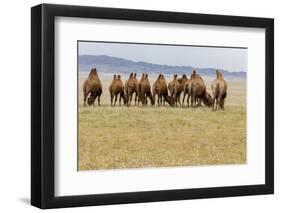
[43, 105]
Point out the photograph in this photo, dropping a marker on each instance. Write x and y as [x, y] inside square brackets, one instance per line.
[139, 105]
[151, 105]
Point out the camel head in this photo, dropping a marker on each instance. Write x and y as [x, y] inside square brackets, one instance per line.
[170, 100]
[119, 77]
[184, 76]
[90, 100]
[146, 76]
[135, 75]
[175, 76]
[126, 99]
[208, 100]
[131, 75]
[152, 99]
[193, 75]
[114, 77]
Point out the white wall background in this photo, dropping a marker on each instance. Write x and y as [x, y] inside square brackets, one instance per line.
[15, 105]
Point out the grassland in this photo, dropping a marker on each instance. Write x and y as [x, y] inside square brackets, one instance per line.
[136, 137]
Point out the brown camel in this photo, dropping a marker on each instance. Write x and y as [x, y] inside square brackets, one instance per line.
[92, 85]
[219, 89]
[182, 82]
[185, 91]
[197, 89]
[144, 90]
[174, 88]
[161, 90]
[131, 86]
[117, 88]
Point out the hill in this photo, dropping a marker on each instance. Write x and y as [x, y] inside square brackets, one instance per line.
[108, 64]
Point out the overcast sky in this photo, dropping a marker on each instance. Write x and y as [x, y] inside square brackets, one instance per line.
[231, 59]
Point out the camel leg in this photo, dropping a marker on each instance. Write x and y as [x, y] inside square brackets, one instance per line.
[120, 99]
[111, 98]
[152, 100]
[85, 97]
[214, 104]
[179, 100]
[131, 97]
[193, 99]
[188, 97]
[138, 101]
[145, 99]
[183, 99]
[175, 99]
[199, 104]
[99, 100]
[123, 97]
[220, 102]
[136, 97]
[115, 99]
[94, 98]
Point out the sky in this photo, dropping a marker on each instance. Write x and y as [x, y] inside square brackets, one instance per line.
[231, 59]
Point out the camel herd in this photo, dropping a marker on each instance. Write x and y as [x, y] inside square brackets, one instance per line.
[194, 88]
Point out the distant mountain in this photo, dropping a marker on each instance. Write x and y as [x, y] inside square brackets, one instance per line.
[108, 64]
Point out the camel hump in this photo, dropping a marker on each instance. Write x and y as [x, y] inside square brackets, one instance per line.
[193, 75]
[93, 72]
[219, 74]
[159, 76]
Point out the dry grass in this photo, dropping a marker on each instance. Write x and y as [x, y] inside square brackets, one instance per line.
[136, 137]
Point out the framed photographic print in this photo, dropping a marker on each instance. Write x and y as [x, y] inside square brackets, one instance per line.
[139, 106]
